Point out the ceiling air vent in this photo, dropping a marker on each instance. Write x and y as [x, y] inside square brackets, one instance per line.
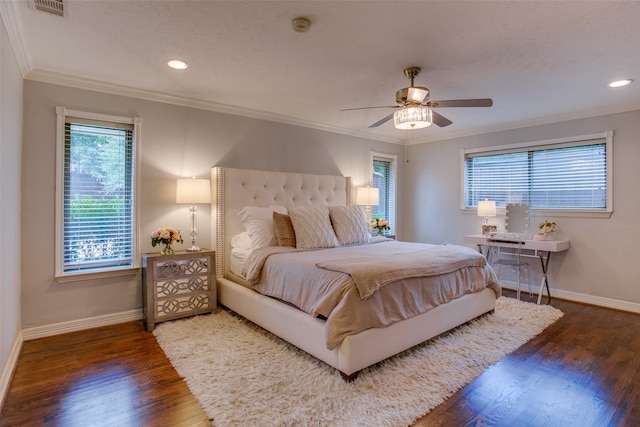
[55, 7]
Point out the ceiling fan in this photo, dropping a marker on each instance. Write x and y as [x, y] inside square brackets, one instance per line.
[414, 110]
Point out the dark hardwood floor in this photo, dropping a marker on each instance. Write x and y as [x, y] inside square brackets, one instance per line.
[109, 376]
[581, 371]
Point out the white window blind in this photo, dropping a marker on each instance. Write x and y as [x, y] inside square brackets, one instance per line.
[570, 175]
[97, 199]
[384, 178]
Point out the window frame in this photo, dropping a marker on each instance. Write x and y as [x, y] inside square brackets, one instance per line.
[393, 196]
[607, 136]
[69, 276]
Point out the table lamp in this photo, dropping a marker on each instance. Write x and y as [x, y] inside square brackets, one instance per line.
[367, 197]
[193, 191]
[487, 208]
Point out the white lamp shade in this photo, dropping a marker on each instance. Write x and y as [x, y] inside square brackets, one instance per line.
[486, 208]
[367, 196]
[191, 190]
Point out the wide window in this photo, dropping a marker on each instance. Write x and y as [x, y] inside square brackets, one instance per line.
[570, 174]
[96, 207]
[383, 169]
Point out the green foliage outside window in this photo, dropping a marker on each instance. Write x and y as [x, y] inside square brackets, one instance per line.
[98, 226]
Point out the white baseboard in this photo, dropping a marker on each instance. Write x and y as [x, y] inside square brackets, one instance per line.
[80, 324]
[7, 372]
[616, 304]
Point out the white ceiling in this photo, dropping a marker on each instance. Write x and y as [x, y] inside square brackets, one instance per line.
[540, 61]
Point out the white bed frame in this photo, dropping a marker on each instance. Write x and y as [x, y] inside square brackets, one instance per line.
[235, 188]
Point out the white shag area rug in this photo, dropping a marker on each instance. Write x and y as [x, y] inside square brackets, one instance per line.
[243, 375]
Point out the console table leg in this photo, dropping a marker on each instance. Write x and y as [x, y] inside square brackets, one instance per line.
[541, 289]
[544, 263]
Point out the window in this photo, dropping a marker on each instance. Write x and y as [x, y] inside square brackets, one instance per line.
[95, 194]
[569, 174]
[383, 170]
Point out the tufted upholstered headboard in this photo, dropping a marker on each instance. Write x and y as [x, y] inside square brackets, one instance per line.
[234, 189]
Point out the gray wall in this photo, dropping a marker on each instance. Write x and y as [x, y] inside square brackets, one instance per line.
[10, 143]
[181, 142]
[176, 142]
[600, 264]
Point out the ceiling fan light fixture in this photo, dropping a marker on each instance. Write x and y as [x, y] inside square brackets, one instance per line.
[416, 117]
[418, 94]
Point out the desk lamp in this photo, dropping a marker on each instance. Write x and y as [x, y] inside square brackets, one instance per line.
[487, 208]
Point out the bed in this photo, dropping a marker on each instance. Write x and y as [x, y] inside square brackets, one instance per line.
[345, 344]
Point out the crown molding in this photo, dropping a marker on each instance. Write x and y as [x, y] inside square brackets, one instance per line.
[77, 82]
[13, 24]
[62, 79]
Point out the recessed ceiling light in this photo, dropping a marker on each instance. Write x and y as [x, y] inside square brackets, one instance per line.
[177, 64]
[620, 83]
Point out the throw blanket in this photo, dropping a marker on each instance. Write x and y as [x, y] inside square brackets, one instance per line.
[373, 272]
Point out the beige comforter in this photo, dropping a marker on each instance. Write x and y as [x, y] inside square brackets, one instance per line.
[293, 276]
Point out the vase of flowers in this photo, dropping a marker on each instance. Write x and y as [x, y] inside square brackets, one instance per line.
[380, 224]
[547, 227]
[166, 236]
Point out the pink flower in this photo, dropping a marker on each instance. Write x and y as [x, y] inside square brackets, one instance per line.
[165, 235]
[380, 224]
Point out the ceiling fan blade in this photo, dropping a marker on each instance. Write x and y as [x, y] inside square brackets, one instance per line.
[368, 108]
[481, 102]
[382, 120]
[440, 120]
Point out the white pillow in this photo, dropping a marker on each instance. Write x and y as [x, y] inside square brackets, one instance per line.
[259, 224]
[349, 224]
[238, 261]
[313, 227]
[241, 241]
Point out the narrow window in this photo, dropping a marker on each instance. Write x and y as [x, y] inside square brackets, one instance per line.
[96, 202]
[383, 169]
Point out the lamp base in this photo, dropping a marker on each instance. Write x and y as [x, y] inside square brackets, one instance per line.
[194, 248]
[489, 228]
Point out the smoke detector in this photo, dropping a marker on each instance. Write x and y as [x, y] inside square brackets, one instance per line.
[301, 25]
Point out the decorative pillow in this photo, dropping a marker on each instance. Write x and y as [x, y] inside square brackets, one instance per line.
[259, 224]
[285, 236]
[313, 227]
[349, 224]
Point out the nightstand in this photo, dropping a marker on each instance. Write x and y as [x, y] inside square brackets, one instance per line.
[178, 285]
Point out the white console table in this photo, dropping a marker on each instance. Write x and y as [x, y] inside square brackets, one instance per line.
[539, 248]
